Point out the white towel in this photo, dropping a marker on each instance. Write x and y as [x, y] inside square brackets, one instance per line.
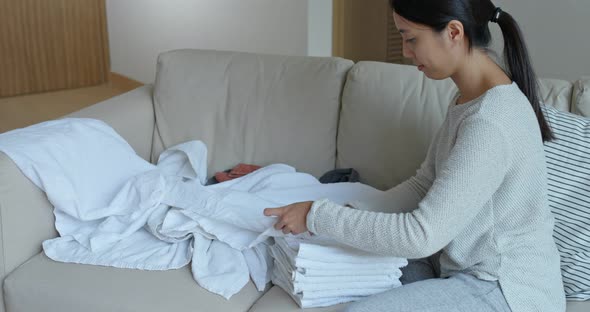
[260, 264]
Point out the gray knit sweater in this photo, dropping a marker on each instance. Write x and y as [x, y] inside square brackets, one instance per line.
[480, 197]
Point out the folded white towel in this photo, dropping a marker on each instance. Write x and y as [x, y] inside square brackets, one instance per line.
[319, 298]
[303, 278]
[310, 303]
[289, 261]
[317, 247]
[329, 262]
[301, 287]
[344, 286]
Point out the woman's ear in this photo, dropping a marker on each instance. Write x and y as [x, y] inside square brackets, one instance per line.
[455, 31]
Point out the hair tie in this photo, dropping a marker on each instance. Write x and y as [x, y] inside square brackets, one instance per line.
[496, 15]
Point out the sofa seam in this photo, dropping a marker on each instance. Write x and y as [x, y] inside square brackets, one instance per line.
[264, 294]
[340, 109]
[153, 104]
[573, 97]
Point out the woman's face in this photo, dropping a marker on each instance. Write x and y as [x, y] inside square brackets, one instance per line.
[436, 54]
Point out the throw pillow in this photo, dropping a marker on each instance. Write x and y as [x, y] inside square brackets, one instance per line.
[568, 168]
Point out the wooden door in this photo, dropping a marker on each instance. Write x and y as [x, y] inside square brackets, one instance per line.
[52, 44]
[363, 30]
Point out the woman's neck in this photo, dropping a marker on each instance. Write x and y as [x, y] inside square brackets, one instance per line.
[477, 74]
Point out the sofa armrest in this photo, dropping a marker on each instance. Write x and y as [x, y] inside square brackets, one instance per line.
[26, 217]
[131, 114]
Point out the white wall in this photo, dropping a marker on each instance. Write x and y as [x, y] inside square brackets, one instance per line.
[557, 33]
[319, 28]
[140, 29]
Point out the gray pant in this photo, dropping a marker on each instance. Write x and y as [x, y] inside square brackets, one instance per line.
[424, 291]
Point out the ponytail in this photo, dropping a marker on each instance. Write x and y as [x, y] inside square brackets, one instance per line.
[521, 71]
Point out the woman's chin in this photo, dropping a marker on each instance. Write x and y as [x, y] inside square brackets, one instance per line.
[435, 76]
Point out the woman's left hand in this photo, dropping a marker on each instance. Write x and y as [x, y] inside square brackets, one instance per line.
[291, 218]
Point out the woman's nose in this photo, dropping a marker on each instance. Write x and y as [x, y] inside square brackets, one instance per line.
[406, 52]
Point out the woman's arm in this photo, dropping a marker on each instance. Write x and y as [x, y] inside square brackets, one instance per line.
[473, 172]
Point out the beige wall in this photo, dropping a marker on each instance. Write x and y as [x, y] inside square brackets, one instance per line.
[557, 33]
[140, 29]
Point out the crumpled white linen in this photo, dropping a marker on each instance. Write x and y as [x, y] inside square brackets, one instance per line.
[113, 208]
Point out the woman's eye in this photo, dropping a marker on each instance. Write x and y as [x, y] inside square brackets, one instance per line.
[411, 40]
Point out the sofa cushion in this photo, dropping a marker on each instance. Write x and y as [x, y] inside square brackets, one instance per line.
[568, 168]
[26, 218]
[41, 284]
[575, 306]
[581, 101]
[277, 300]
[390, 114]
[557, 93]
[250, 108]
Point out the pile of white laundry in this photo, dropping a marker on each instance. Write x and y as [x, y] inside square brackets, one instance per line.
[317, 272]
[113, 208]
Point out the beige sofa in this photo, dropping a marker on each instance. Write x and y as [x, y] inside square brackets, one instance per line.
[313, 113]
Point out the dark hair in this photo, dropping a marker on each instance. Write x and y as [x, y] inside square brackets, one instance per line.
[475, 16]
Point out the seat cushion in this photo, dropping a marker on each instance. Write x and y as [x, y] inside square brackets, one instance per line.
[250, 108]
[578, 306]
[277, 300]
[42, 284]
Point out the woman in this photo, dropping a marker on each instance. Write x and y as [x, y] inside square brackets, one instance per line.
[476, 213]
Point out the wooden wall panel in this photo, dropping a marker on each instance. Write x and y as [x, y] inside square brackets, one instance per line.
[360, 29]
[365, 31]
[52, 44]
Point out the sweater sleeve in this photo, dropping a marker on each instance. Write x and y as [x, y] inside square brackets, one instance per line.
[474, 170]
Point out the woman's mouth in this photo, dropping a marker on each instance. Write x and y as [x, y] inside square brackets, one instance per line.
[420, 67]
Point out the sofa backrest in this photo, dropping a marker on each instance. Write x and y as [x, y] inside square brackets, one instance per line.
[390, 114]
[581, 97]
[250, 108]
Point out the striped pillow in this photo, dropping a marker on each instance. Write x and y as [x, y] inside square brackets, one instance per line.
[568, 168]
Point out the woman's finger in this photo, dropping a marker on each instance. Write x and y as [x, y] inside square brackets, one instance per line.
[279, 225]
[273, 211]
[286, 230]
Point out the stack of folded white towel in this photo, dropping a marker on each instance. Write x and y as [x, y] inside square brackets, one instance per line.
[317, 272]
